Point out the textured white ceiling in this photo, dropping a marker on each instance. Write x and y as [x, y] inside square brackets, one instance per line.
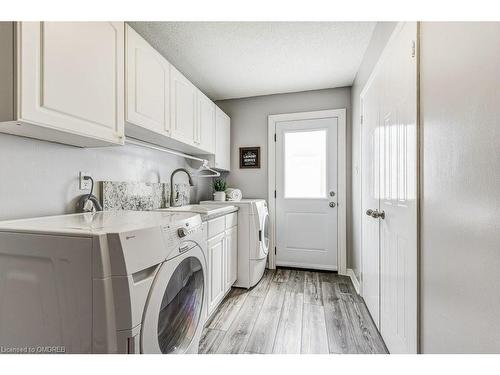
[240, 59]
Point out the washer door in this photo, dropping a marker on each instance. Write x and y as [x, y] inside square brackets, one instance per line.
[175, 310]
[264, 228]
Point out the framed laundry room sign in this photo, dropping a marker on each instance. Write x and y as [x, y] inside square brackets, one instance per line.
[249, 157]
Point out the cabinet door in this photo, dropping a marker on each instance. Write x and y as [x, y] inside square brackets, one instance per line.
[222, 140]
[147, 85]
[216, 271]
[206, 124]
[231, 257]
[183, 119]
[72, 77]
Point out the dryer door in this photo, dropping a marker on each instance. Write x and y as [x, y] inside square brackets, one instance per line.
[264, 233]
[175, 311]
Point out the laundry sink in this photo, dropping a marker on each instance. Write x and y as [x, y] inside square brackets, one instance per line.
[201, 209]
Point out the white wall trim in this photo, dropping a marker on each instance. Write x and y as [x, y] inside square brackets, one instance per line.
[354, 280]
[340, 114]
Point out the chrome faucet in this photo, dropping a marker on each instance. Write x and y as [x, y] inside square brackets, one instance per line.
[172, 201]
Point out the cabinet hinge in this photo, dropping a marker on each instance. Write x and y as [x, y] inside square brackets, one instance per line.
[274, 137]
[413, 48]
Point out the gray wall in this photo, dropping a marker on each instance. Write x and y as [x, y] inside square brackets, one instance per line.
[39, 178]
[249, 128]
[381, 34]
[460, 219]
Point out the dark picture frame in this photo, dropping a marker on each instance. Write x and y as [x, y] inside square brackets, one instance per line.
[249, 157]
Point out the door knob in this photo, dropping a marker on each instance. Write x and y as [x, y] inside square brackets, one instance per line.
[332, 204]
[375, 214]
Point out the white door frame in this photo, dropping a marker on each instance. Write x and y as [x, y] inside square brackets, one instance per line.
[340, 114]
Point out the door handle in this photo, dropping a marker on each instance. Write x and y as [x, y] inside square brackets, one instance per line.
[332, 204]
[376, 214]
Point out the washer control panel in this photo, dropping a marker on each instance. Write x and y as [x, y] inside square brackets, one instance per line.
[177, 235]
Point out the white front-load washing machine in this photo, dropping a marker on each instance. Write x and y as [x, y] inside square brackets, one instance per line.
[109, 282]
[253, 239]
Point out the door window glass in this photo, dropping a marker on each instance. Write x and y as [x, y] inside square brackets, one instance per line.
[180, 309]
[305, 164]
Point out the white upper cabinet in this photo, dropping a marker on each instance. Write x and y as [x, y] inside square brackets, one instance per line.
[222, 140]
[147, 86]
[183, 100]
[205, 129]
[69, 83]
[93, 83]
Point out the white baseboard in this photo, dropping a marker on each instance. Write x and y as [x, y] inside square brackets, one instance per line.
[354, 279]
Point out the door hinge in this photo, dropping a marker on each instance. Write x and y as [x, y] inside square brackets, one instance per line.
[413, 48]
[275, 250]
[275, 194]
[274, 137]
[361, 119]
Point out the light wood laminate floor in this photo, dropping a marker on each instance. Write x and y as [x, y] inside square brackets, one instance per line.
[293, 311]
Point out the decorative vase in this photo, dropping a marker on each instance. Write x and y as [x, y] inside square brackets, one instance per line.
[219, 196]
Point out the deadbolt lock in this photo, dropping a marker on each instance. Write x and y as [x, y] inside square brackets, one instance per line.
[332, 194]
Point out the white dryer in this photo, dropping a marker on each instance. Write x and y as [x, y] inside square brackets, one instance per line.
[253, 239]
[110, 282]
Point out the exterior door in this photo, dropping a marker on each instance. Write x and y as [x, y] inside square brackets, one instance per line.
[306, 192]
[390, 107]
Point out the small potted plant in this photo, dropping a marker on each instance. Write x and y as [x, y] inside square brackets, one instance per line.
[220, 188]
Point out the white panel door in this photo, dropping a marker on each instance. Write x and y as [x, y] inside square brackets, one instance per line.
[306, 189]
[393, 95]
[73, 77]
[183, 98]
[370, 201]
[215, 250]
[398, 195]
[148, 85]
[205, 130]
[222, 140]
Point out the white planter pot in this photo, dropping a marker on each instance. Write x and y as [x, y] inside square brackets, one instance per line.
[219, 196]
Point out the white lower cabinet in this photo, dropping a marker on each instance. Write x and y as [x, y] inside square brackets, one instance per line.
[230, 257]
[216, 261]
[222, 258]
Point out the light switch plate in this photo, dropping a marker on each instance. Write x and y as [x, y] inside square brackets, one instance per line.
[84, 184]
